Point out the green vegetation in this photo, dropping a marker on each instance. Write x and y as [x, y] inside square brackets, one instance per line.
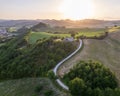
[114, 29]
[43, 30]
[29, 87]
[38, 88]
[90, 34]
[40, 26]
[11, 29]
[51, 75]
[48, 93]
[91, 76]
[106, 51]
[19, 59]
[77, 86]
[34, 36]
[37, 50]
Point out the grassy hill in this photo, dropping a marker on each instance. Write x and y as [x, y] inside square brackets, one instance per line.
[106, 51]
[18, 59]
[34, 36]
[26, 87]
[91, 34]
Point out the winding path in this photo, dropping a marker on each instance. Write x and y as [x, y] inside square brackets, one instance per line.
[60, 63]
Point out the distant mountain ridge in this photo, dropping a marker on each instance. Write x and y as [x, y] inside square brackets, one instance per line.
[67, 23]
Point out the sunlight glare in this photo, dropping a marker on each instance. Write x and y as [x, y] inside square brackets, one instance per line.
[77, 9]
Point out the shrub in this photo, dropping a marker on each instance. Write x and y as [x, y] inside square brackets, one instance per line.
[51, 75]
[94, 76]
[48, 93]
[38, 88]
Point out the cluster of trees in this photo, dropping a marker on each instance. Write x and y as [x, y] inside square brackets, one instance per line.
[91, 79]
[19, 59]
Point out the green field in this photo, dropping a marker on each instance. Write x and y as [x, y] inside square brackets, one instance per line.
[114, 29]
[34, 36]
[90, 34]
[1, 44]
[67, 30]
[26, 87]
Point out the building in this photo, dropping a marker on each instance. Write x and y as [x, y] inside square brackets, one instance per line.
[69, 39]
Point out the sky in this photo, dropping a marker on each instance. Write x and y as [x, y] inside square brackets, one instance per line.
[51, 9]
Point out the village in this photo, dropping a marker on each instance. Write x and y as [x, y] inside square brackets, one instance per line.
[5, 35]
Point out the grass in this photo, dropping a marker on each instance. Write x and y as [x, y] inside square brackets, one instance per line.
[26, 87]
[1, 44]
[106, 51]
[114, 29]
[34, 36]
[67, 30]
[90, 34]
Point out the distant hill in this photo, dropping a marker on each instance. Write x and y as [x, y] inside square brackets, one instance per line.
[18, 23]
[91, 23]
[39, 26]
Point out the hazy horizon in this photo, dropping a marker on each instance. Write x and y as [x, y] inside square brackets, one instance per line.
[60, 9]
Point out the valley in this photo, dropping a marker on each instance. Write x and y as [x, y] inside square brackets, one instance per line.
[31, 55]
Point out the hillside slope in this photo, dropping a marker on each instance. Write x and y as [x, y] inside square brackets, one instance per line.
[26, 87]
[106, 51]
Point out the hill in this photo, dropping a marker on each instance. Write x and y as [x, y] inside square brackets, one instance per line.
[106, 51]
[90, 23]
[34, 36]
[39, 26]
[19, 59]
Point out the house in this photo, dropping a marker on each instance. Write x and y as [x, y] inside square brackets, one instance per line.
[69, 39]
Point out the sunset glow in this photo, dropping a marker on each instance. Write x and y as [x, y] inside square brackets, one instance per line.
[77, 9]
[60, 9]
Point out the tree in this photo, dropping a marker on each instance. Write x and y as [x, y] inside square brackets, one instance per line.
[72, 33]
[98, 92]
[77, 87]
[94, 76]
[51, 74]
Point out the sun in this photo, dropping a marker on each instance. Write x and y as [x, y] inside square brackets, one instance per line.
[77, 9]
